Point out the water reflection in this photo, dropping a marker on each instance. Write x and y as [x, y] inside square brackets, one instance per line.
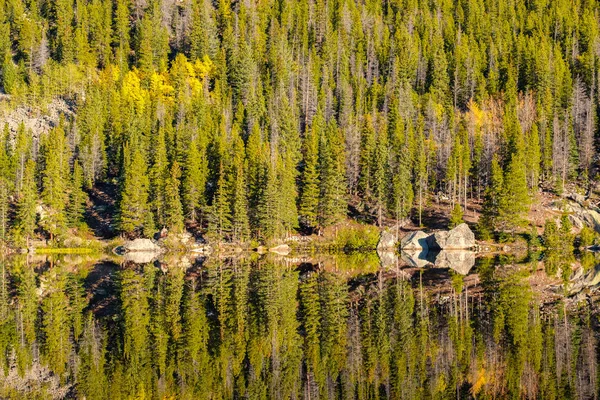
[314, 327]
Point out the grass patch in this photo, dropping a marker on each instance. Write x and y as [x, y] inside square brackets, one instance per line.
[65, 250]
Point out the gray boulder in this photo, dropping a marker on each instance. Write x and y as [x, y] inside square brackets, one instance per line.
[387, 258]
[415, 258]
[145, 245]
[282, 249]
[459, 238]
[416, 240]
[458, 260]
[387, 239]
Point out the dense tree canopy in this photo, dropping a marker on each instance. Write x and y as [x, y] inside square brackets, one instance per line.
[258, 118]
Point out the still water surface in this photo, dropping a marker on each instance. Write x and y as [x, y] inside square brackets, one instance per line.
[330, 327]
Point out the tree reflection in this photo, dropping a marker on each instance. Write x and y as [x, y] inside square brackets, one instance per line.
[261, 328]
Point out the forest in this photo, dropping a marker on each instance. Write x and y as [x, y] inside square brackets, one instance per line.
[256, 119]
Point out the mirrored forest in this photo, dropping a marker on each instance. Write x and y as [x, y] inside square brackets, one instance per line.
[264, 327]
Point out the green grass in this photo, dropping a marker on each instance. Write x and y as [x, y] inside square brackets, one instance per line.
[65, 250]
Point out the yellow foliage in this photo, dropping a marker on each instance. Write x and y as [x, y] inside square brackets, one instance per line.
[441, 385]
[132, 91]
[160, 88]
[478, 116]
[480, 381]
[204, 68]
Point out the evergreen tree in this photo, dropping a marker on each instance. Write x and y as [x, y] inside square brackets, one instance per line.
[133, 205]
[456, 217]
[309, 194]
[4, 208]
[174, 209]
[26, 213]
[332, 199]
[220, 211]
[514, 200]
[77, 196]
[194, 181]
[55, 182]
[492, 201]
[159, 175]
[239, 202]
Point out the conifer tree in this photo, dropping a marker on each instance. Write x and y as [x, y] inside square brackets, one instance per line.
[4, 207]
[159, 174]
[456, 217]
[332, 199]
[174, 209]
[194, 181]
[220, 209]
[492, 200]
[133, 204]
[420, 172]
[55, 182]
[287, 174]
[514, 200]
[239, 201]
[26, 214]
[309, 189]
[77, 196]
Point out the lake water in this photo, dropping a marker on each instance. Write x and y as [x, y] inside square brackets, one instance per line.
[314, 327]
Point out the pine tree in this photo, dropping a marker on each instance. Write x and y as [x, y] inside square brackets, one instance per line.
[309, 194]
[456, 217]
[77, 196]
[133, 204]
[514, 201]
[367, 147]
[220, 209]
[492, 199]
[159, 175]
[420, 172]
[332, 199]
[174, 209]
[239, 201]
[4, 207]
[55, 182]
[194, 181]
[26, 214]
[286, 176]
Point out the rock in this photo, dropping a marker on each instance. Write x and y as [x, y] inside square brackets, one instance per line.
[459, 238]
[201, 249]
[261, 249]
[578, 198]
[282, 249]
[414, 241]
[457, 260]
[576, 222]
[583, 280]
[387, 239]
[140, 257]
[387, 258]
[591, 219]
[145, 245]
[415, 258]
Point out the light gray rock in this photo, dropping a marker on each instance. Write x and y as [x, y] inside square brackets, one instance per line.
[459, 238]
[387, 239]
[458, 260]
[140, 257]
[578, 198]
[282, 249]
[576, 221]
[415, 258]
[416, 240]
[387, 258]
[139, 245]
